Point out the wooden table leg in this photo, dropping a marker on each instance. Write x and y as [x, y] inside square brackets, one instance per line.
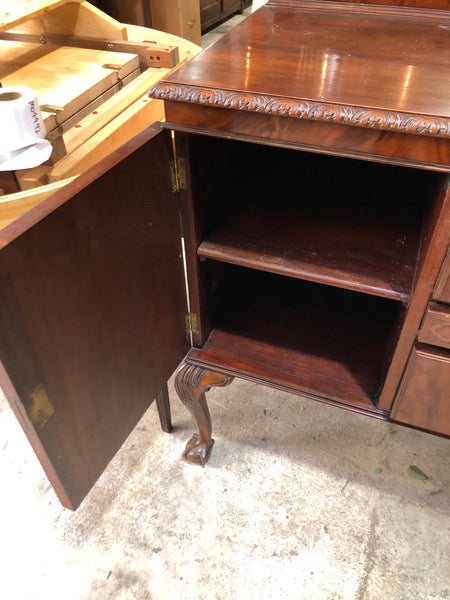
[191, 383]
[163, 406]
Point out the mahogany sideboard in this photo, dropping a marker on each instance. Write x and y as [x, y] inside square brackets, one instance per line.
[304, 160]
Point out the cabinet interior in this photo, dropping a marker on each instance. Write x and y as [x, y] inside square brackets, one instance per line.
[307, 263]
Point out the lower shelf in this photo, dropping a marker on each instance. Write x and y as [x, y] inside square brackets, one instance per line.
[308, 338]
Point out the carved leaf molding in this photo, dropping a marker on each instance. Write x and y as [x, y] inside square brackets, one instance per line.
[303, 109]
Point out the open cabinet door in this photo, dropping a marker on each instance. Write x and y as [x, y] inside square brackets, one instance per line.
[92, 310]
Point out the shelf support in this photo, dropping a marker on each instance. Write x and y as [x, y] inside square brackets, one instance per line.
[191, 383]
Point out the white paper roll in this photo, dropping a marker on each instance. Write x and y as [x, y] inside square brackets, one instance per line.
[21, 122]
[21, 127]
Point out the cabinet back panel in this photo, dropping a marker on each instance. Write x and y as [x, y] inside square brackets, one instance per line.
[345, 222]
[312, 338]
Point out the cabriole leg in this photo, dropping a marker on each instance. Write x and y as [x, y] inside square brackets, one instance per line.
[191, 384]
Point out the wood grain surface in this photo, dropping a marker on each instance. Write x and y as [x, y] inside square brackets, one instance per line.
[424, 399]
[92, 311]
[12, 13]
[442, 290]
[371, 70]
[300, 336]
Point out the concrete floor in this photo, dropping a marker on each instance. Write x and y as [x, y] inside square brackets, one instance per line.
[290, 506]
[217, 32]
[300, 501]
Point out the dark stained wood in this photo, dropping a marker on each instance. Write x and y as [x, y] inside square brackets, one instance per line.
[188, 200]
[50, 204]
[442, 289]
[373, 4]
[278, 216]
[314, 136]
[300, 336]
[424, 399]
[163, 405]
[373, 71]
[429, 4]
[92, 311]
[435, 328]
[435, 241]
[345, 79]
[90, 276]
[191, 384]
[16, 404]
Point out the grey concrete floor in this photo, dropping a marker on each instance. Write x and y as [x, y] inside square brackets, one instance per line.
[291, 506]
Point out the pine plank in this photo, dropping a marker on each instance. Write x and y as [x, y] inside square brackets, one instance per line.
[13, 13]
[69, 78]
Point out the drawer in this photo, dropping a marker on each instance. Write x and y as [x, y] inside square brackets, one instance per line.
[423, 399]
[435, 328]
[442, 288]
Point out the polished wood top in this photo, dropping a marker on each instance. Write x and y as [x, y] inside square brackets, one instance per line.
[435, 4]
[370, 66]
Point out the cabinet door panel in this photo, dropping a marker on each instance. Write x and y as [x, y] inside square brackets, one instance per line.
[92, 309]
[423, 399]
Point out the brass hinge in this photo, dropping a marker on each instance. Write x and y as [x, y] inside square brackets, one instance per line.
[39, 407]
[191, 322]
[178, 174]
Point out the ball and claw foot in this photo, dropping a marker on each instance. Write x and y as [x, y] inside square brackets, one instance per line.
[196, 452]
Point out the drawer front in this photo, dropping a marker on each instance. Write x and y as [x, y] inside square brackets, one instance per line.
[442, 289]
[436, 326]
[423, 399]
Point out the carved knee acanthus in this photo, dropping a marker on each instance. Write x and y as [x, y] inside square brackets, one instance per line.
[191, 383]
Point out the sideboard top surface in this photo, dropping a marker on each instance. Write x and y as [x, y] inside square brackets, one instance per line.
[391, 60]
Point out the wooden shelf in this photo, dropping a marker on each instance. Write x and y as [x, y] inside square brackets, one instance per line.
[342, 227]
[327, 342]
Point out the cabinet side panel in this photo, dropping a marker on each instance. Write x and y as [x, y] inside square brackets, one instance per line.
[92, 308]
[435, 242]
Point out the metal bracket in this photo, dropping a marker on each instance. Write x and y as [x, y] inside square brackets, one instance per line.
[115, 68]
[54, 110]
